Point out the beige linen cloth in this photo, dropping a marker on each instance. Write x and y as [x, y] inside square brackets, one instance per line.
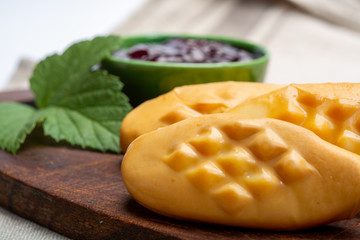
[309, 41]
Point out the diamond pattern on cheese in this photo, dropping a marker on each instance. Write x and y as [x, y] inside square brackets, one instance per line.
[350, 141]
[237, 162]
[340, 111]
[177, 114]
[236, 170]
[180, 159]
[240, 130]
[205, 176]
[262, 182]
[293, 167]
[308, 99]
[188, 102]
[291, 111]
[276, 175]
[322, 113]
[210, 107]
[208, 143]
[267, 145]
[231, 197]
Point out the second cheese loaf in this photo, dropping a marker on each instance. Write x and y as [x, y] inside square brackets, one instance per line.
[332, 111]
[185, 102]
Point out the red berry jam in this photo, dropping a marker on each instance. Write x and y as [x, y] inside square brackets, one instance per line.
[180, 50]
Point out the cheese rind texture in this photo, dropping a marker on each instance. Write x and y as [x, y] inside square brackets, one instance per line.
[187, 102]
[254, 173]
[332, 111]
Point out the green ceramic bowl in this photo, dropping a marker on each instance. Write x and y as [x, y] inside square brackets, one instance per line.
[144, 79]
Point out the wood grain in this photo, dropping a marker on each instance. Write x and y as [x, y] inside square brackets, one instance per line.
[80, 194]
[24, 96]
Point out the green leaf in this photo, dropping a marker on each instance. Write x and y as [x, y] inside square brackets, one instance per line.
[92, 117]
[76, 104]
[81, 106]
[16, 122]
[55, 77]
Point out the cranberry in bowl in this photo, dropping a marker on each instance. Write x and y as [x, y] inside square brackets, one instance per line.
[150, 65]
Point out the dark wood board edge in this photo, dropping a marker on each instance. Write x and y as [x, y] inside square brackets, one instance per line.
[20, 200]
[24, 96]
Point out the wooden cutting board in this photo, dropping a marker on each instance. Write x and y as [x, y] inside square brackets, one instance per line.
[80, 194]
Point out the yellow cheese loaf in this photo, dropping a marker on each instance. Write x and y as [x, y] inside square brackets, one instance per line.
[254, 173]
[185, 102]
[332, 111]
